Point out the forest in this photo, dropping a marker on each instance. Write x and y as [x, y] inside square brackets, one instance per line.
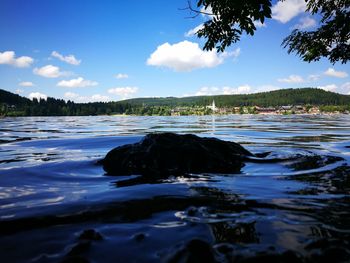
[15, 105]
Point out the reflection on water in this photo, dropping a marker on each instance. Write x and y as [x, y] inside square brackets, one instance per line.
[52, 190]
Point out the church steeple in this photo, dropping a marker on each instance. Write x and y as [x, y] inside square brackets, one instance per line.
[212, 106]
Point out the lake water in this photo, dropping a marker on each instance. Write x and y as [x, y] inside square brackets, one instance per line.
[52, 190]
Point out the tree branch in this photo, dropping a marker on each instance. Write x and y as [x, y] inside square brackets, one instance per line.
[197, 12]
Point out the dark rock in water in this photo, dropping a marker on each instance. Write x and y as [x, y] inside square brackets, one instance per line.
[286, 257]
[91, 234]
[314, 161]
[80, 248]
[195, 251]
[75, 259]
[225, 249]
[139, 237]
[172, 154]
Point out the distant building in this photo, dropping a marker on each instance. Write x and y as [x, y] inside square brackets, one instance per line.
[212, 106]
[314, 110]
[265, 110]
[286, 108]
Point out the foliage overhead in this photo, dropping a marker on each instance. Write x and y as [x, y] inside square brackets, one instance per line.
[230, 19]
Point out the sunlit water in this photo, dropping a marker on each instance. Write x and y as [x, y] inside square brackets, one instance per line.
[51, 189]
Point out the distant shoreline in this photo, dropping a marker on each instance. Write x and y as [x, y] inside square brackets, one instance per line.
[193, 115]
[285, 101]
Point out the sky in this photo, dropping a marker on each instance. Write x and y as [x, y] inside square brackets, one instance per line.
[90, 50]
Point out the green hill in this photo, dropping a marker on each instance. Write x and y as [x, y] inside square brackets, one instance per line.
[12, 99]
[302, 96]
[15, 105]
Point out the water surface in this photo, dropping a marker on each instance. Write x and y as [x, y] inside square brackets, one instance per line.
[52, 190]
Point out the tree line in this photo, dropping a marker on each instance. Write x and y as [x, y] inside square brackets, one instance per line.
[15, 105]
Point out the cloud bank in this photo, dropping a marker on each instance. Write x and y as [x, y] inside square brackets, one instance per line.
[76, 83]
[70, 59]
[292, 79]
[9, 58]
[124, 92]
[305, 23]
[186, 56]
[83, 99]
[121, 76]
[49, 71]
[331, 72]
[285, 11]
[26, 84]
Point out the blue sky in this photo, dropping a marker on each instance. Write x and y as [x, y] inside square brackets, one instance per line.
[86, 50]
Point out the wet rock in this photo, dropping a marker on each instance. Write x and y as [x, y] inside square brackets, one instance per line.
[309, 162]
[243, 233]
[139, 237]
[171, 154]
[90, 234]
[329, 250]
[262, 155]
[191, 211]
[336, 254]
[195, 250]
[335, 181]
[75, 259]
[307, 191]
[318, 244]
[81, 247]
[224, 248]
[286, 257]
[224, 252]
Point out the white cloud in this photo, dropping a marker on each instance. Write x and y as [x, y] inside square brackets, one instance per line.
[26, 84]
[299, 79]
[342, 89]
[124, 92]
[9, 58]
[83, 99]
[235, 53]
[19, 91]
[330, 87]
[122, 76]
[284, 11]
[184, 56]
[305, 23]
[193, 31]
[313, 77]
[71, 95]
[206, 91]
[76, 83]
[257, 23]
[266, 88]
[333, 73]
[292, 79]
[226, 90]
[346, 86]
[37, 95]
[207, 12]
[70, 59]
[49, 71]
[99, 98]
[239, 90]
